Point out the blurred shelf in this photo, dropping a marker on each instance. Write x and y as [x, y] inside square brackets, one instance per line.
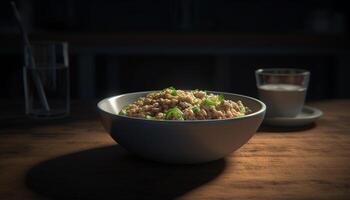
[127, 43]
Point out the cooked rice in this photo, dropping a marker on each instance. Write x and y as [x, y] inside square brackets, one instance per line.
[172, 104]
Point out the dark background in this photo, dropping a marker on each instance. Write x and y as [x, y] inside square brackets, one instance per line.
[123, 46]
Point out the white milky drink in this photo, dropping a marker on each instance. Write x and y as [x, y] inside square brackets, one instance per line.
[282, 100]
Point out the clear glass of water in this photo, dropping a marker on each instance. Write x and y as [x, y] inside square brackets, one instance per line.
[46, 80]
[282, 90]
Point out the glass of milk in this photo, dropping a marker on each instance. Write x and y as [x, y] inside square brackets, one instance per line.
[283, 90]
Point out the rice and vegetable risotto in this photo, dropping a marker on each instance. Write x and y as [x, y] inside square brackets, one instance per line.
[173, 104]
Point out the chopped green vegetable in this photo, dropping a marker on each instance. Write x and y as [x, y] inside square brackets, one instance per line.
[149, 117]
[221, 98]
[173, 92]
[242, 110]
[196, 108]
[213, 101]
[208, 102]
[174, 113]
[122, 112]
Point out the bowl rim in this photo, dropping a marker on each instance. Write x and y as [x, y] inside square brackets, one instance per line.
[262, 109]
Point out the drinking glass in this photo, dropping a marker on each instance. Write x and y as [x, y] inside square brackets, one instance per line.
[282, 90]
[46, 80]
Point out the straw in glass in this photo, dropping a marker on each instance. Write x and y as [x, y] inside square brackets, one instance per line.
[28, 49]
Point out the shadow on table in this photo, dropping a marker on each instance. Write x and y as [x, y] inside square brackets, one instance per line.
[107, 172]
[278, 129]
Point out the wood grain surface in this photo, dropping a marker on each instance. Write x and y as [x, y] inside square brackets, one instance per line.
[75, 159]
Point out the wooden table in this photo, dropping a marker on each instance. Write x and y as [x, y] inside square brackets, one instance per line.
[74, 158]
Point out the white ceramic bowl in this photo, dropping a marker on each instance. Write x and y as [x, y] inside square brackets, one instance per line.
[190, 141]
